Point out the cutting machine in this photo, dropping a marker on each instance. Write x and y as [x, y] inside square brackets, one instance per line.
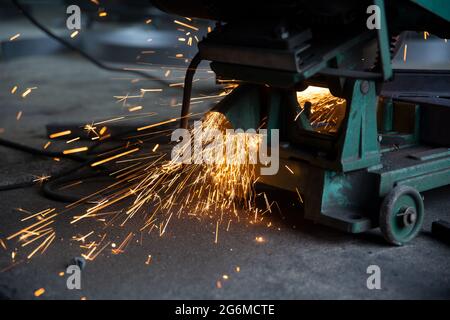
[370, 169]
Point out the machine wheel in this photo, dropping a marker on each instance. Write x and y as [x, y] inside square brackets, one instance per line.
[401, 215]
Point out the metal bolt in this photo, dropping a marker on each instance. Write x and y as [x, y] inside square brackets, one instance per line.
[409, 216]
[364, 87]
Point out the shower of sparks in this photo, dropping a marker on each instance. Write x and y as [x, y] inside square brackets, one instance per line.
[157, 191]
[151, 189]
[327, 111]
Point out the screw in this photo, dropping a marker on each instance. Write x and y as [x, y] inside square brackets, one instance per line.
[364, 87]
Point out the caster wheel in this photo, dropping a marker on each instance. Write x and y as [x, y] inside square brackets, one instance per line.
[401, 215]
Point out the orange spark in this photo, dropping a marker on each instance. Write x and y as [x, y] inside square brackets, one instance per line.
[75, 150]
[259, 239]
[114, 157]
[39, 292]
[136, 108]
[289, 169]
[14, 37]
[60, 134]
[185, 25]
[156, 124]
[405, 51]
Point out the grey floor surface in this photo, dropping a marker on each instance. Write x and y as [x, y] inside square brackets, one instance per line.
[297, 259]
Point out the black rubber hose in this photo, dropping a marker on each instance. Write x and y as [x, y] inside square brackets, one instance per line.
[39, 152]
[187, 91]
[49, 188]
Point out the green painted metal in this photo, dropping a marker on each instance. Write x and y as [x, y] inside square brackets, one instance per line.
[333, 188]
[242, 107]
[432, 154]
[341, 178]
[340, 193]
[359, 147]
[440, 8]
[425, 175]
[428, 181]
[347, 201]
[383, 42]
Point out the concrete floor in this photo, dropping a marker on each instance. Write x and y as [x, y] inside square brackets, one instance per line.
[298, 260]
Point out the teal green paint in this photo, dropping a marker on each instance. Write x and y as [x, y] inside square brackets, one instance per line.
[425, 175]
[333, 190]
[242, 107]
[428, 181]
[383, 42]
[359, 141]
[440, 8]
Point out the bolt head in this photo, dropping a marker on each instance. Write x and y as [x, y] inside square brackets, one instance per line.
[364, 87]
